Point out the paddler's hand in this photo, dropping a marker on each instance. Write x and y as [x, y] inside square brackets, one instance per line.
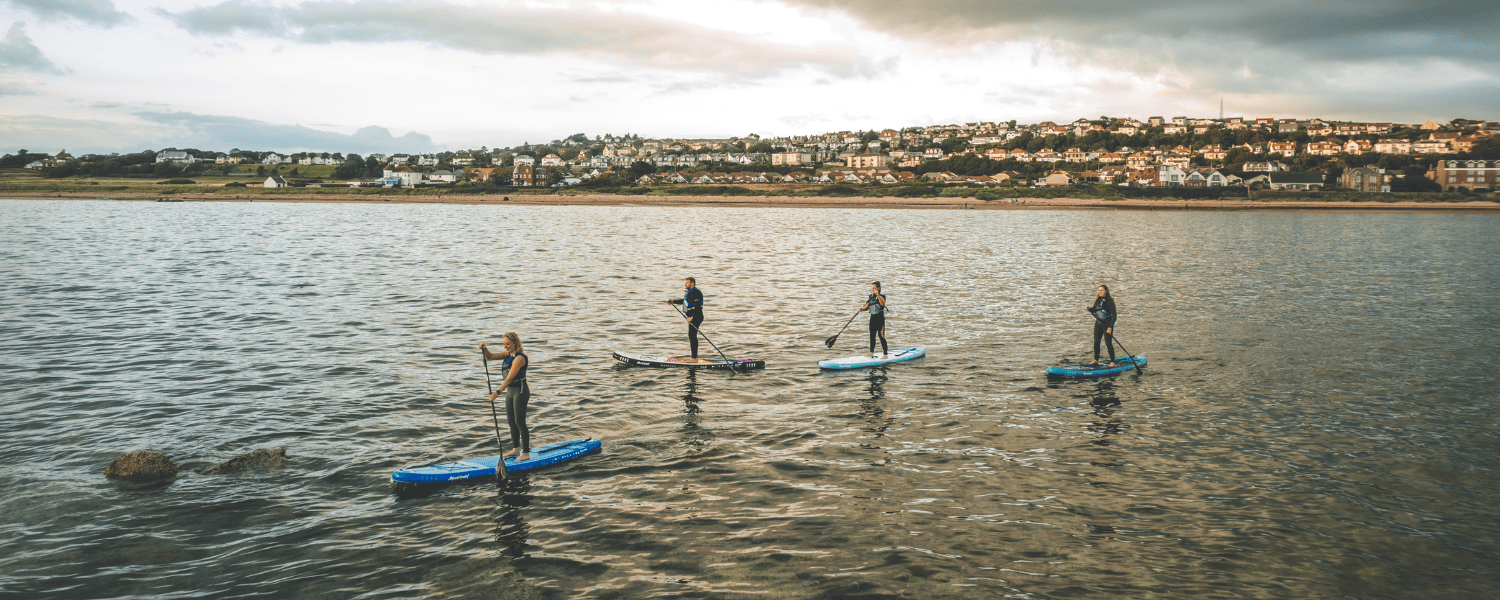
[688, 321]
[493, 395]
[1109, 330]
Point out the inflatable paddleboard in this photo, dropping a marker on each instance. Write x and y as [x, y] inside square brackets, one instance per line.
[1100, 370]
[484, 467]
[657, 360]
[856, 362]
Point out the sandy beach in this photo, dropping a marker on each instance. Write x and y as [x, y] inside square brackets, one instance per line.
[815, 202]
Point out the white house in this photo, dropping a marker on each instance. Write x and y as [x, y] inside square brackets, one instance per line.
[443, 176]
[404, 174]
[272, 159]
[1171, 175]
[427, 160]
[524, 159]
[275, 181]
[174, 156]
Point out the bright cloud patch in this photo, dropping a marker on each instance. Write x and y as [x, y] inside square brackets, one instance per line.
[610, 37]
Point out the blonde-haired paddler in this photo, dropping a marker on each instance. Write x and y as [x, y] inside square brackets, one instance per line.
[517, 393]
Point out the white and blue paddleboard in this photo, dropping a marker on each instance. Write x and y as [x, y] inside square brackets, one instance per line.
[484, 467]
[856, 362]
[1100, 370]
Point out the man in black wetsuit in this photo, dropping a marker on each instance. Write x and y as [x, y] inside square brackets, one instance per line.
[692, 304]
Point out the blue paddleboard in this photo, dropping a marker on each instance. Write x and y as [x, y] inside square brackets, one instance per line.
[1100, 370]
[856, 362]
[483, 467]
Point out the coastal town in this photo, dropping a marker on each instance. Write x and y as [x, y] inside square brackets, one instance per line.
[1156, 152]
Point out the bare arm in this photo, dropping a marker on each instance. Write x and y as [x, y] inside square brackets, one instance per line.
[492, 355]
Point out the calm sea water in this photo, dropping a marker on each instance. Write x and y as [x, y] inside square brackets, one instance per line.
[1318, 419]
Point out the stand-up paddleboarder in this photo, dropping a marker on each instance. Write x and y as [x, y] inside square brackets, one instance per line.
[692, 305]
[876, 305]
[517, 392]
[1104, 313]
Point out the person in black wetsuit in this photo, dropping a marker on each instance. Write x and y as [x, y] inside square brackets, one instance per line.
[876, 305]
[517, 393]
[692, 306]
[1104, 313]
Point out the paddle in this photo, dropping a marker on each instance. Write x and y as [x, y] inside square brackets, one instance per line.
[1122, 345]
[705, 336]
[484, 354]
[829, 342]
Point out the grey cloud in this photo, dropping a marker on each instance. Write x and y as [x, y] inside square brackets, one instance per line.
[18, 51]
[94, 12]
[216, 131]
[1285, 42]
[618, 38]
[11, 88]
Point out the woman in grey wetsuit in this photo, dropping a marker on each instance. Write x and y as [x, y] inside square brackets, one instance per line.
[1104, 313]
[517, 393]
[876, 305]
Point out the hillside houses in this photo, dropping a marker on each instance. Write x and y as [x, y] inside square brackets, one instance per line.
[1196, 151]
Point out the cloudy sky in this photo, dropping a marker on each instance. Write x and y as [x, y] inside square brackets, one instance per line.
[417, 75]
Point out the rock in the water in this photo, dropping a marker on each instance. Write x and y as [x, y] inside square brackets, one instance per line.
[269, 457]
[141, 465]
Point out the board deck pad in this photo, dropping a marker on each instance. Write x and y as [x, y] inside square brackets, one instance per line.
[660, 360]
[857, 362]
[1100, 370]
[483, 467]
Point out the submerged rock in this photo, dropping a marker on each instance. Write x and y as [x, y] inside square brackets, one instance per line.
[270, 457]
[141, 465]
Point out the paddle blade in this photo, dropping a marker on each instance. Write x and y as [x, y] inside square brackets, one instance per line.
[829, 342]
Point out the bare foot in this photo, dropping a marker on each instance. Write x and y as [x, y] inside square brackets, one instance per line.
[512, 452]
[870, 355]
[526, 456]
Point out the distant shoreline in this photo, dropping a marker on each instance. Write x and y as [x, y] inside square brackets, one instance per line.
[1233, 204]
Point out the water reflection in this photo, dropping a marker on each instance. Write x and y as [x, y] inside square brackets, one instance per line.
[872, 406]
[692, 413]
[1105, 402]
[511, 530]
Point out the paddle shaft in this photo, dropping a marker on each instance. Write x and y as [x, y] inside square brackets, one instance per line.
[1122, 344]
[835, 337]
[699, 331]
[484, 354]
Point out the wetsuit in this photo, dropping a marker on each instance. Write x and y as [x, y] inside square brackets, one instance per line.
[1104, 318]
[877, 322]
[692, 305]
[517, 394]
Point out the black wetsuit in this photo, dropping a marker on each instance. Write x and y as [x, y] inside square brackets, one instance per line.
[1104, 318]
[692, 304]
[516, 397]
[877, 323]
